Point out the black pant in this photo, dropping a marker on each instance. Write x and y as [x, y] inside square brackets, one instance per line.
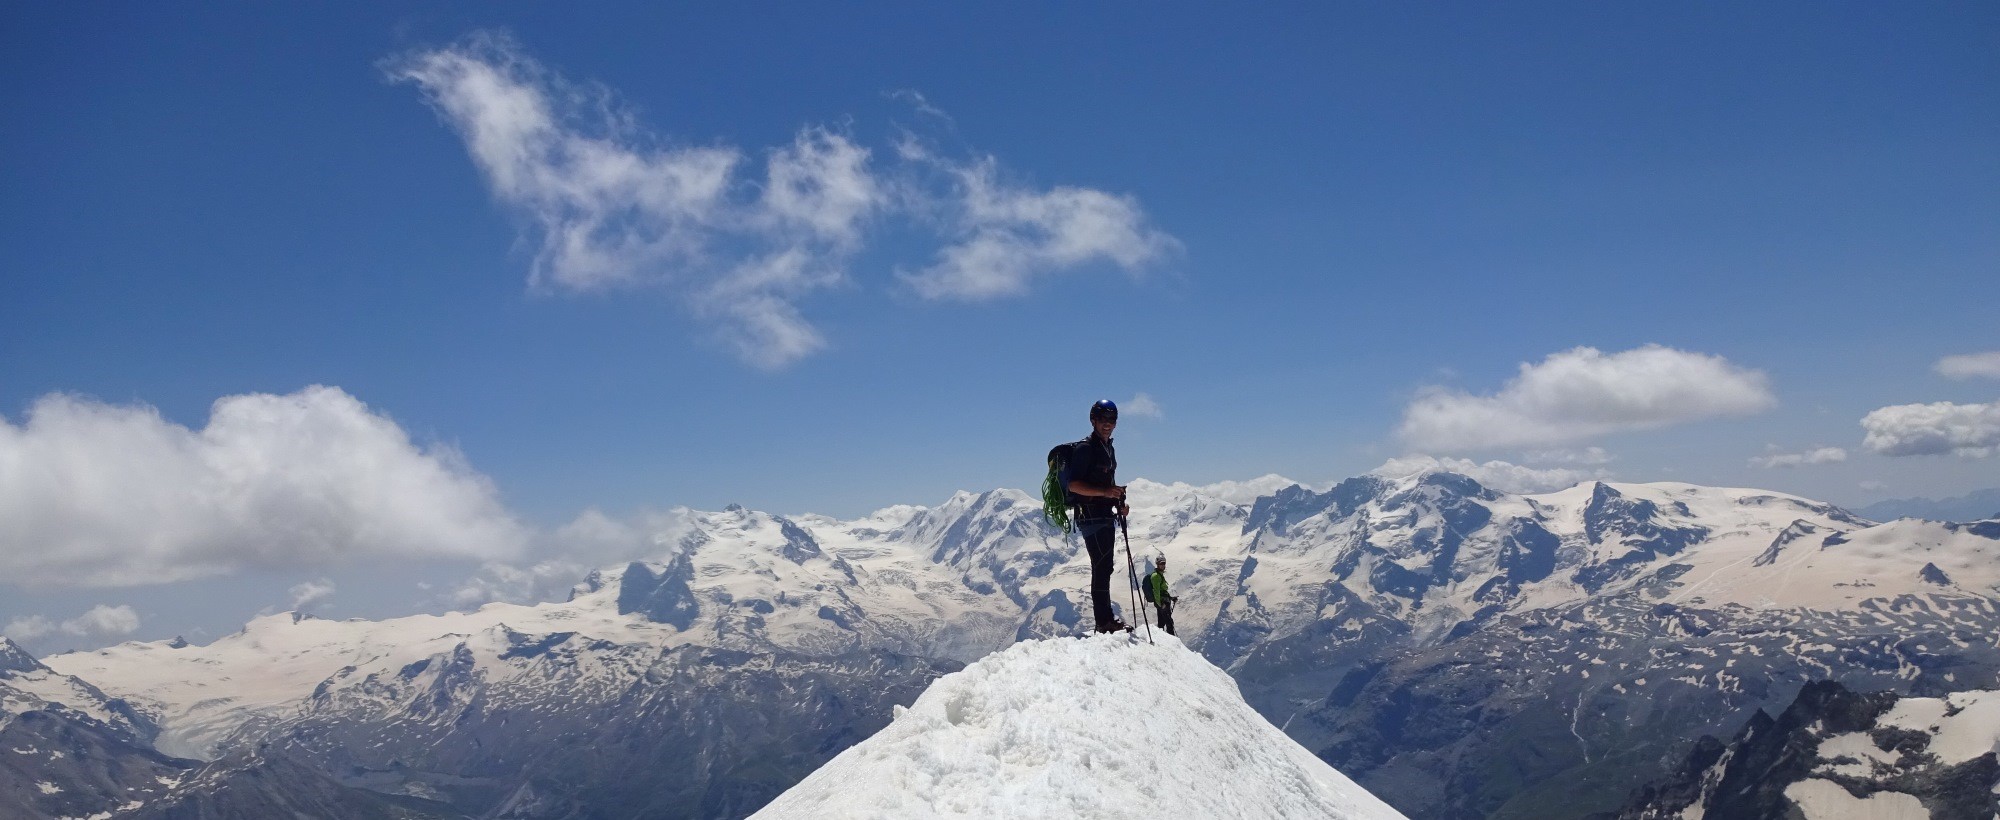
[1166, 610]
[1100, 537]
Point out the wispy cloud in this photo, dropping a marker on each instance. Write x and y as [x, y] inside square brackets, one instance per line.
[93, 494]
[522, 584]
[1144, 405]
[754, 302]
[1009, 235]
[1499, 475]
[917, 101]
[1939, 428]
[1583, 393]
[310, 594]
[1817, 455]
[610, 205]
[610, 208]
[32, 627]
[567, 556]
[1588, 456]
[821, 186]
[100, 621]
[1970, 366]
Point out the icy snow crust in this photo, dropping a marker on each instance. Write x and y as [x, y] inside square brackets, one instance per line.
[1820, 799]
[1962, 725]
[1100, 727]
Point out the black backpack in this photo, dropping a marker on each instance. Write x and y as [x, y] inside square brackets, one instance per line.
[1055, 491]
[1146, 587]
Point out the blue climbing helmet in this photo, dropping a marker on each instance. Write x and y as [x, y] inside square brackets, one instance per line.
[1104, 409]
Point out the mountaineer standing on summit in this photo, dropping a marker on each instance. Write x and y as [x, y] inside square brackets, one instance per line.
[1090, 477]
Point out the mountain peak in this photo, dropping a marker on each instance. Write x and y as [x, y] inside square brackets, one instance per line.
[1096, 727]
[15, 659]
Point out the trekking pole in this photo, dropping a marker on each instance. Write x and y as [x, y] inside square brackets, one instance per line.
[1133, 570]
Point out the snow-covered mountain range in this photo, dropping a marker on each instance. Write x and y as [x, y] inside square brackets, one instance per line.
[1414, 631]
[1974, 506]
[68, 749]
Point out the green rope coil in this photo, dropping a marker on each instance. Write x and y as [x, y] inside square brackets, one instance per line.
[1055, 501]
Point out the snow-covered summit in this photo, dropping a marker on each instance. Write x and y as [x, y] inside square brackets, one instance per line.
[15, 659]
[1099, 727]
[27, 685]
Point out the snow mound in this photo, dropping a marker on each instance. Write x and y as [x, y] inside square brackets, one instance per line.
[1100, 727]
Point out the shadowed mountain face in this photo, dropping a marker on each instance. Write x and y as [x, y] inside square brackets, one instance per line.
[68, 750]
[1548, 715]
[54, 764]
[1459, 651]
[1845, 754]
[689, 732]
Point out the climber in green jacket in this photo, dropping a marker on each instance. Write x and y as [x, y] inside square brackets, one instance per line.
[1156, 591]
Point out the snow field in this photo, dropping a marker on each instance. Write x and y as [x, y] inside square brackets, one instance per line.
[1099, 727]
[1826, 800]
[1963, 725]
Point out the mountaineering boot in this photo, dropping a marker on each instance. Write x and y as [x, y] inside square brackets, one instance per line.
[1114, 625]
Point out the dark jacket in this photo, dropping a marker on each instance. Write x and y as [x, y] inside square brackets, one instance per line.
[1092, 461]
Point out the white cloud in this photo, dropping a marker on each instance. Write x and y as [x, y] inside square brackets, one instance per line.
[600, 538]
[1498, 475]
[1143, 405]
[548, 580]
[1969, 430]
[1152, 493]
[592, 541]
[611, 206]
[916, 101]
[613, 209]
[101, 620]
[821, 184]
[1873, 486]
[760, 322]
[1009, 235]
[1588, 456]
[29, 628]
[1817, 455]
[311, 593]
[1970, 365]
[1583, 393]
[1247, 492]
[93, 494]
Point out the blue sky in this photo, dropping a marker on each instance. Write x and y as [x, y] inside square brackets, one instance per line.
[1316, 239]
